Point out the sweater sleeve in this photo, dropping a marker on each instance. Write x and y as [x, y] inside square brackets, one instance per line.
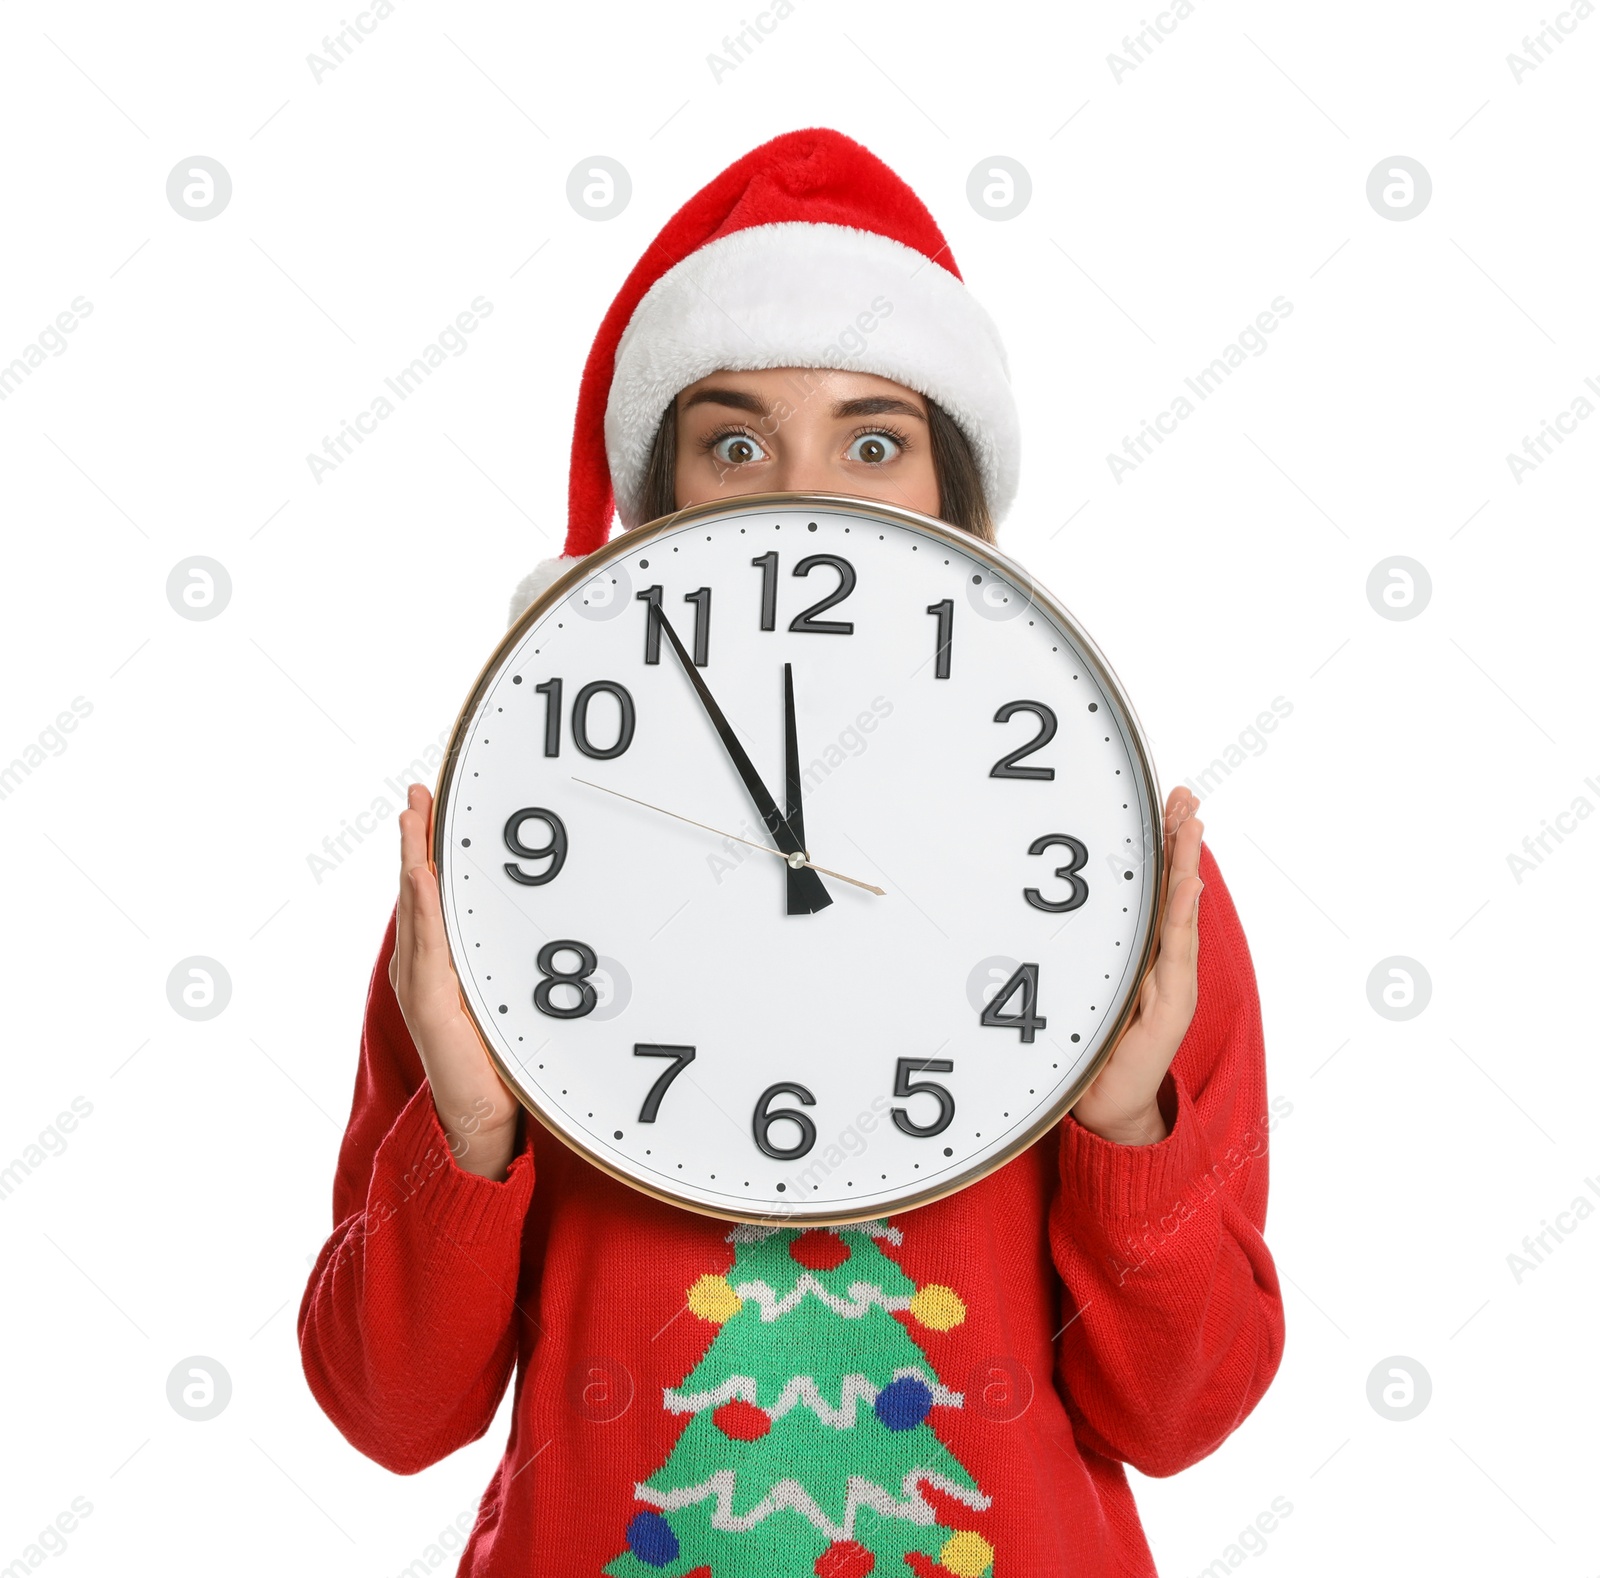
[1173, 1320]
[406, 1327]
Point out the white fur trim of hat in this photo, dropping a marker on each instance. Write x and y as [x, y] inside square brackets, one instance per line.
[537, 579]
[811, 295]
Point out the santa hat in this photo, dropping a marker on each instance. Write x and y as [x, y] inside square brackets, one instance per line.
[807, 252]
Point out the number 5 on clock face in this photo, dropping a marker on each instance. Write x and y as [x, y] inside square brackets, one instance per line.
[799, 859]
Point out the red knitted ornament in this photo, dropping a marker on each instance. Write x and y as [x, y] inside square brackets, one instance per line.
[818, 1250]
[845, 1559]
[742, 1421]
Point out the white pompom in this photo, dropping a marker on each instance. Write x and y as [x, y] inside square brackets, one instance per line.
[536, 580]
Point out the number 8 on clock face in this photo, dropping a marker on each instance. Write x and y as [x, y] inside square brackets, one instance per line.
[800, 858]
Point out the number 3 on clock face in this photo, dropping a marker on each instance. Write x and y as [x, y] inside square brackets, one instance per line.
[799, 858]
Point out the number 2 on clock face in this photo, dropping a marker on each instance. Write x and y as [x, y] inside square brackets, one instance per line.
[788, 928]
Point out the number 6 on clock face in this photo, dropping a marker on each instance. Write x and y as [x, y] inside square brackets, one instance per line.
[782, 928]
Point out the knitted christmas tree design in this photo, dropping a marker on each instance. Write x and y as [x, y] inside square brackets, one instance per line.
[808, 1448]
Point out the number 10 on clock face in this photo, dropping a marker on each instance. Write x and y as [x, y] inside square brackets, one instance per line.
[800, 861]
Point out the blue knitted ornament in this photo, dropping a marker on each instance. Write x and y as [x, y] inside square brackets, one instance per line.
[651, 1539]
[904, 1404]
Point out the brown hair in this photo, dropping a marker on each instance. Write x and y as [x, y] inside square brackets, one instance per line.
[961, 500]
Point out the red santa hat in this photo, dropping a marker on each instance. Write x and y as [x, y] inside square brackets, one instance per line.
[807, 252]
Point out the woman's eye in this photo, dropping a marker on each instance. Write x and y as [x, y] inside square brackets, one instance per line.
[873, 449]
[737, 449]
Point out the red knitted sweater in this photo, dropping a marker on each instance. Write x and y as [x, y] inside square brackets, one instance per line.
[950, 1391]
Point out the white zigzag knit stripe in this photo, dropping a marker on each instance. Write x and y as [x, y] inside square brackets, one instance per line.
[756, 1232]
[878, 1228]
[863, 1297]
[803, 1389]
[749, 1233]
[789, 1494]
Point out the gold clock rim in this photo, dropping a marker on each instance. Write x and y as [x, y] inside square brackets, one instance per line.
[627, 542]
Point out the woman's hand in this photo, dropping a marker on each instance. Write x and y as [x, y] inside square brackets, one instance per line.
[1121, 1103]
[478, 1114]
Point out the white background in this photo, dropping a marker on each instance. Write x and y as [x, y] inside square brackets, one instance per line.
[1168, 209]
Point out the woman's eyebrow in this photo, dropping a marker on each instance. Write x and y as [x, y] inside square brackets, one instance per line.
[877, 405]
[736, 398]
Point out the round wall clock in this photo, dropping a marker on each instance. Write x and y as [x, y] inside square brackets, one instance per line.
[800, 858]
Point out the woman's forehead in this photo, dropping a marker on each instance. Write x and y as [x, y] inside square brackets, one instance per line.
[791, 384]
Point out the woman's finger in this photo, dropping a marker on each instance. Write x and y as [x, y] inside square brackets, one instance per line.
[413, 820]
[1181, 805]
[1169, 825]
[1178, 955]
[427, 919]
[1176, 803]
[1186, 847]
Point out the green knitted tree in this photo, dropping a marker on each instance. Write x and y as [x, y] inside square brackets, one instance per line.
[808, 1446]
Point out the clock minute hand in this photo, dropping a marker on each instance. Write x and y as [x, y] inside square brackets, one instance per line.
[805, 880]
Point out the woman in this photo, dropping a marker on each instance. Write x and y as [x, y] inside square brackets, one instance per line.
[1103, 1299]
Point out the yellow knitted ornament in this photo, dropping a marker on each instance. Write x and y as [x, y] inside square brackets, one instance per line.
[713, 1299]
[968, 1555]
[938, 1308]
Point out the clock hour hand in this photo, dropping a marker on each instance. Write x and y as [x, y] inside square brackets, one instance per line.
[793, 807]
[805, 881]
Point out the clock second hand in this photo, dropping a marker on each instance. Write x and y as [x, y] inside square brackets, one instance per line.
[793, 861]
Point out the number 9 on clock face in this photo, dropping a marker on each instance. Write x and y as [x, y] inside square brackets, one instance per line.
[800, 858]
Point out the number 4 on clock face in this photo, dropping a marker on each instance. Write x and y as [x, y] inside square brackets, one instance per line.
[1026, 1020]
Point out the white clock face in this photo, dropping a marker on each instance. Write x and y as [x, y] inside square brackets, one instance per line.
[705, 1019]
